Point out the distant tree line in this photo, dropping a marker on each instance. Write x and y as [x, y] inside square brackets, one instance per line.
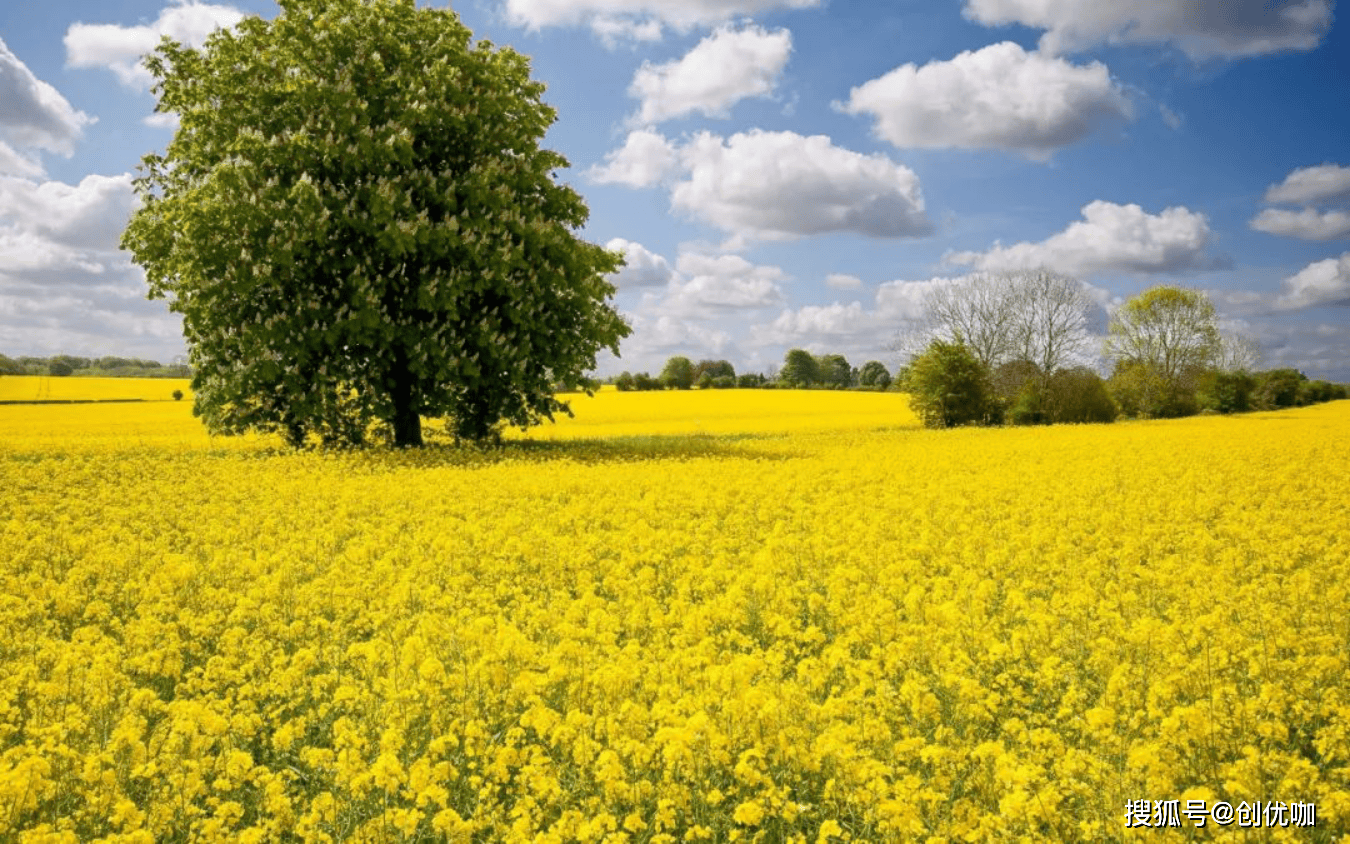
[1005, 349]
[800, 370]
[102, 367]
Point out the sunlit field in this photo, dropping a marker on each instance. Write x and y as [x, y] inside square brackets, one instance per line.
[731, 615]
[44, 388]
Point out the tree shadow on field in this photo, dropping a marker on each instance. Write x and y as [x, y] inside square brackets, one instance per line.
[587, 451]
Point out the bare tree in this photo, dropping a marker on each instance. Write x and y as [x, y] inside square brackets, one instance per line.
[1237, 353]
[1033, 315]
[1049, 319]
[978, 311]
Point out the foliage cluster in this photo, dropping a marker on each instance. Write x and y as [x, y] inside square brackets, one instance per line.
[669, 639]
[370, 231]
[803, 370]
[103, 367]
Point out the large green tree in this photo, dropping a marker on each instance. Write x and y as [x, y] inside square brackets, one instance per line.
[357, 223]
[874, 374]
[678, 373]
[949, 386]
[1162, 341]
[834, 371]
[800, 368]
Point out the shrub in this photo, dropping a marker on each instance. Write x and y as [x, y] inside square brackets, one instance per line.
[949, 386]
[1226, 392]
[643, 381]
[874, 374]
[60, 368]
[705, 381]
[1314, 392]
[1077, 395]
[1140, 392]
[723, 382]
[177, 395]
[749, 381]
[1278, 388]
[624, 383]
[1017, 391]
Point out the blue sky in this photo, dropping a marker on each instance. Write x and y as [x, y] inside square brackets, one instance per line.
[793, 173]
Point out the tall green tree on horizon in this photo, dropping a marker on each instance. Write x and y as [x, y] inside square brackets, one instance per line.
[358, 224]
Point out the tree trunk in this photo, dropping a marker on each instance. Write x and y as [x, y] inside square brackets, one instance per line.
[407, 423]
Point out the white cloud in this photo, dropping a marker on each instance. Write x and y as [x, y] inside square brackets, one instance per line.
[614, 31]
[88, 217]
[854, 327]
[843, 281]
[643, 268]
[162, 120]
[1109, 238]
[1311, 185]
[781, 186]
[1307, 224]
[14, 163]
[1169, 117]
[818, 326]
[64, 284]
[33, 115]
[641, 19]
[1200, 28]
[712, 284]
[998, 97]
[655, 338]
[645, 159]
[1320, 283]
[120, 48]
[903, 301]
[724, 68]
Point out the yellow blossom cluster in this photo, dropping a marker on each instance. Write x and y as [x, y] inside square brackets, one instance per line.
[817, 626]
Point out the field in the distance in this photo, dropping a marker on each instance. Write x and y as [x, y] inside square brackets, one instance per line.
[681, 616]
[30, 388]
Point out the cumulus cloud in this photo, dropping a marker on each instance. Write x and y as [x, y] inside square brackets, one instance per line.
[1200, 28]
[1324, 282]
[645, 159]
[14, 163]
[33, 116]
[614, 31]
[1109, 238]
[111, 317]
[854, 326]
[89, 216]
[643, 268]
[1312, 185]
[998, 97]
[64, 285]
[843, 281]
[781, 186]
[724, 68]
[712, 284]
[120, 48]
[614, 20]
[666, 333]
[1307, 224]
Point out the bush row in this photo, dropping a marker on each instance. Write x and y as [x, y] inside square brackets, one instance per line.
[949, 386]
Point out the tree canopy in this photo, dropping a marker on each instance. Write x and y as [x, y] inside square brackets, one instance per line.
[357, 223]
[1162, 341]
[800, 368]
[949, 386]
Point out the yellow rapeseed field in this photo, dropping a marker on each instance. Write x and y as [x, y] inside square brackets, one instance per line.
[44, 388]
[741, 615]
